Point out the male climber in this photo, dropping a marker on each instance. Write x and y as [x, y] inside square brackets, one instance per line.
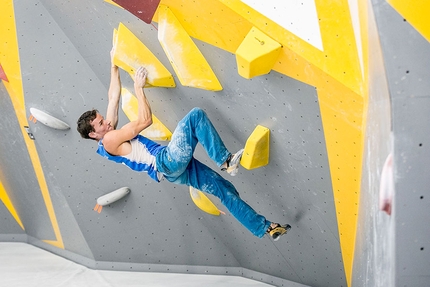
[174, 162]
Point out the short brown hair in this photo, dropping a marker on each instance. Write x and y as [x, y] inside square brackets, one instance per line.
[84, 123]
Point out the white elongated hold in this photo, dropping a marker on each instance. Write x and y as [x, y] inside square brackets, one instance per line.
[386, 186]
[113, 196]
[49, 120]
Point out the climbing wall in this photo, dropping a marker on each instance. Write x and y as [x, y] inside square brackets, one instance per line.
[157, 227]
[313, 99]
[11, 224]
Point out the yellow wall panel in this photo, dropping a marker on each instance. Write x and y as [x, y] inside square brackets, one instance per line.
[415, 12]
[337, 36]
[210, 21]
[4, 197]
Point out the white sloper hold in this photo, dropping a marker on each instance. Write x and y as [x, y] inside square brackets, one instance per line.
[113, 196]
[48, 120]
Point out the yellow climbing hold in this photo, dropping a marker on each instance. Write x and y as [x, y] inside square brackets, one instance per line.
[157, 131]
[188, 62]
[203, 202]
[256, 153]
[256, 54]
[130, 53]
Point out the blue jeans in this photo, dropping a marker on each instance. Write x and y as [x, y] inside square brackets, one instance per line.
[179, 166]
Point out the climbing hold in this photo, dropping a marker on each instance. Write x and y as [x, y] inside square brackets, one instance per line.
[386, 187]
[130, 53]
[98, 208]
[256, 153]
[156, 131]
[188, 62]
[48, 120]
[113, 196]
[256, 54]
[29, 133]
[203, 202]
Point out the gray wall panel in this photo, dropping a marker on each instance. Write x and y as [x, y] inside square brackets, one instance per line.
[8, 224]
[374, 250]
[406, 56]
[19, 178]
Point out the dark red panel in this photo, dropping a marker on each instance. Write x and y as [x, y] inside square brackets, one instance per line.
[3, 74]
[142, 9]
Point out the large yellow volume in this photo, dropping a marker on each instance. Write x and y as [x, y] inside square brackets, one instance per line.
[131, 53]
[156, 131]
[203, 202]
[256, 153]
[256, 54]
[188, 62]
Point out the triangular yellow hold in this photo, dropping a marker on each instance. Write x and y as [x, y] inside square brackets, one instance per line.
[256, 54]
[256, 153]
[188, 62]
[131, 53]
[203, 202]
[157, 131]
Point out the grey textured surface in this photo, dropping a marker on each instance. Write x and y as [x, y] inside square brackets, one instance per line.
[374, 250]
[408, 73]
[19, 174]
[394, 250]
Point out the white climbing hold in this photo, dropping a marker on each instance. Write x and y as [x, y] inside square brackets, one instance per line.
[48, 120]
[113, 196]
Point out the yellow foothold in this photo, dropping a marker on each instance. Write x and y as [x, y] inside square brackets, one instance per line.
[156, 131]
[188, 62]
[131, 53]
[256, 153]
[203, 202]
[256, 54]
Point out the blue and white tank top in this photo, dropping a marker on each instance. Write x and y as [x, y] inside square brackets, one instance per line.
[141, 158]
